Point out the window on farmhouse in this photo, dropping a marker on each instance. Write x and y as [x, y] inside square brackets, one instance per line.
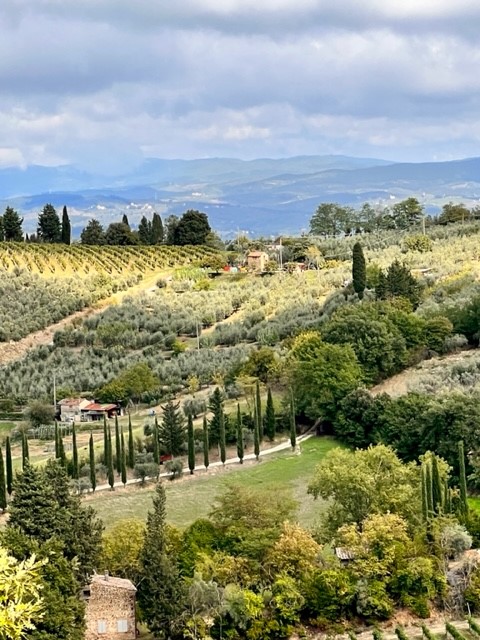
[122, 626]
[102, 626]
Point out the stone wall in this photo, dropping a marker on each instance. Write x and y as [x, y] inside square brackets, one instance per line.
[108, 601]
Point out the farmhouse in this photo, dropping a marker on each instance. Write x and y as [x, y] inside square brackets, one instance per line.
[256, 260]
[84, 410]
[109, 608]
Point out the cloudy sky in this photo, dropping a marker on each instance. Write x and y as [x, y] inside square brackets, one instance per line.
[104, 83]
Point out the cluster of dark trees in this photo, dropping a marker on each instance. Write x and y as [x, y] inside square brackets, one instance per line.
[49, 226]
[332, 219]
[192, 229]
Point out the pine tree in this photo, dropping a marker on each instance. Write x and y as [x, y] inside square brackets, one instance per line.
[463, 482]
[110, 469]
[359, 270]
[256, 434]
[12, 226]
[206, 444]
[222, 443]
[131, 448]
[25, 452]
[160, 590]
[3, 487]
[437, 493]
[215, 405]
[293, 426]
[171, 432]
[125, 220]
[381, 290]
[123, 459]
[240, 445]
[93, 469]
[145, 231]
[191, 444]
[9, 464]
[270, 426]
[49, 228]
[258, 400]
[118, 452]
[75, 470]
[66, 227]
[157, 229]
[156, 451]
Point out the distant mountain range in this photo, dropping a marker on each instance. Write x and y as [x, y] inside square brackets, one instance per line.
[264, 196]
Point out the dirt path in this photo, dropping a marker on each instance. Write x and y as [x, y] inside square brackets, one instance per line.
[403, 382]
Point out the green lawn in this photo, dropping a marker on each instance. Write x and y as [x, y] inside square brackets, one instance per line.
[192, 497]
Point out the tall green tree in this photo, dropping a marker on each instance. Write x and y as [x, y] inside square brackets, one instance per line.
[93, 468]
[171, 432]
[222, 442]
[330, 219]
[125, 220]
[12, 226]
[191, 443]
[9, 465]
[25, 452]
[118, 233]
[160, 590]
[206, 444]
[193, 228]
[425, 513]
[359, 270]
[75, 467]
[61, 452]
[105, 442]
[156, 449]
[123, 454]
[463, 482]
[258, 400]
[118, 451]
[157, 229]
[49, 228]
[437, 487]
[145, 231]
[110, 467]
[66, 227]
[3, 484]
[131, 447]
[407, 213]
[2, 231]
[215, 405]
[57, 449]
[429, 489]
[240, 444]
[270, 426]
[93, 233]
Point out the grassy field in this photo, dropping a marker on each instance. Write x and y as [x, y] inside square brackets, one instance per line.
[192, 496]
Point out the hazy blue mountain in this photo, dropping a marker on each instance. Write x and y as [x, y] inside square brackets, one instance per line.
[265, 196]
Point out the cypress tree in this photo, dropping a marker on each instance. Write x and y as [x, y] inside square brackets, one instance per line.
[93, 470]
[223, 452]
[105, 442]
[75, 470]
[191, 444]
[118, 448]
[447, 506]
[131, 448]
[125, 220]
[157, 229]
[258, 401]
[381, 290]
[25, 452]
[359, 270]
[61, 452]
[3, 487]
[9, 464]
[145, 231]
[256, 434]
[429, 489]
[57, 448]
[240, 445]
[270, 417]
[206, 444]
[110, 470]
[123, 459]
[437, 493]
[66, 227]
[156, 452]
[293, 426]
[424, 494]
[215, 404]
[160, 591]
[463, 482]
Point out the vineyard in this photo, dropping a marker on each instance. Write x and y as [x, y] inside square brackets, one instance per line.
[470, 630]
[58, 260]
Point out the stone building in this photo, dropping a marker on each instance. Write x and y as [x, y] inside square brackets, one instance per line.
[109, 608]
[256, 260]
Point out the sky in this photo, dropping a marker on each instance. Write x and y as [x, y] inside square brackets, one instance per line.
[103, 84]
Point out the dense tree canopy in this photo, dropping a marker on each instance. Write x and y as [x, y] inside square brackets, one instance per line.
[192, 228]
[12, 225]
[93, 233]
[49, 227]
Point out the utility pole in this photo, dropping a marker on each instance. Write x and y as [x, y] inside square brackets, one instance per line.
[54, 392]
[198, 335]
[280, 254]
